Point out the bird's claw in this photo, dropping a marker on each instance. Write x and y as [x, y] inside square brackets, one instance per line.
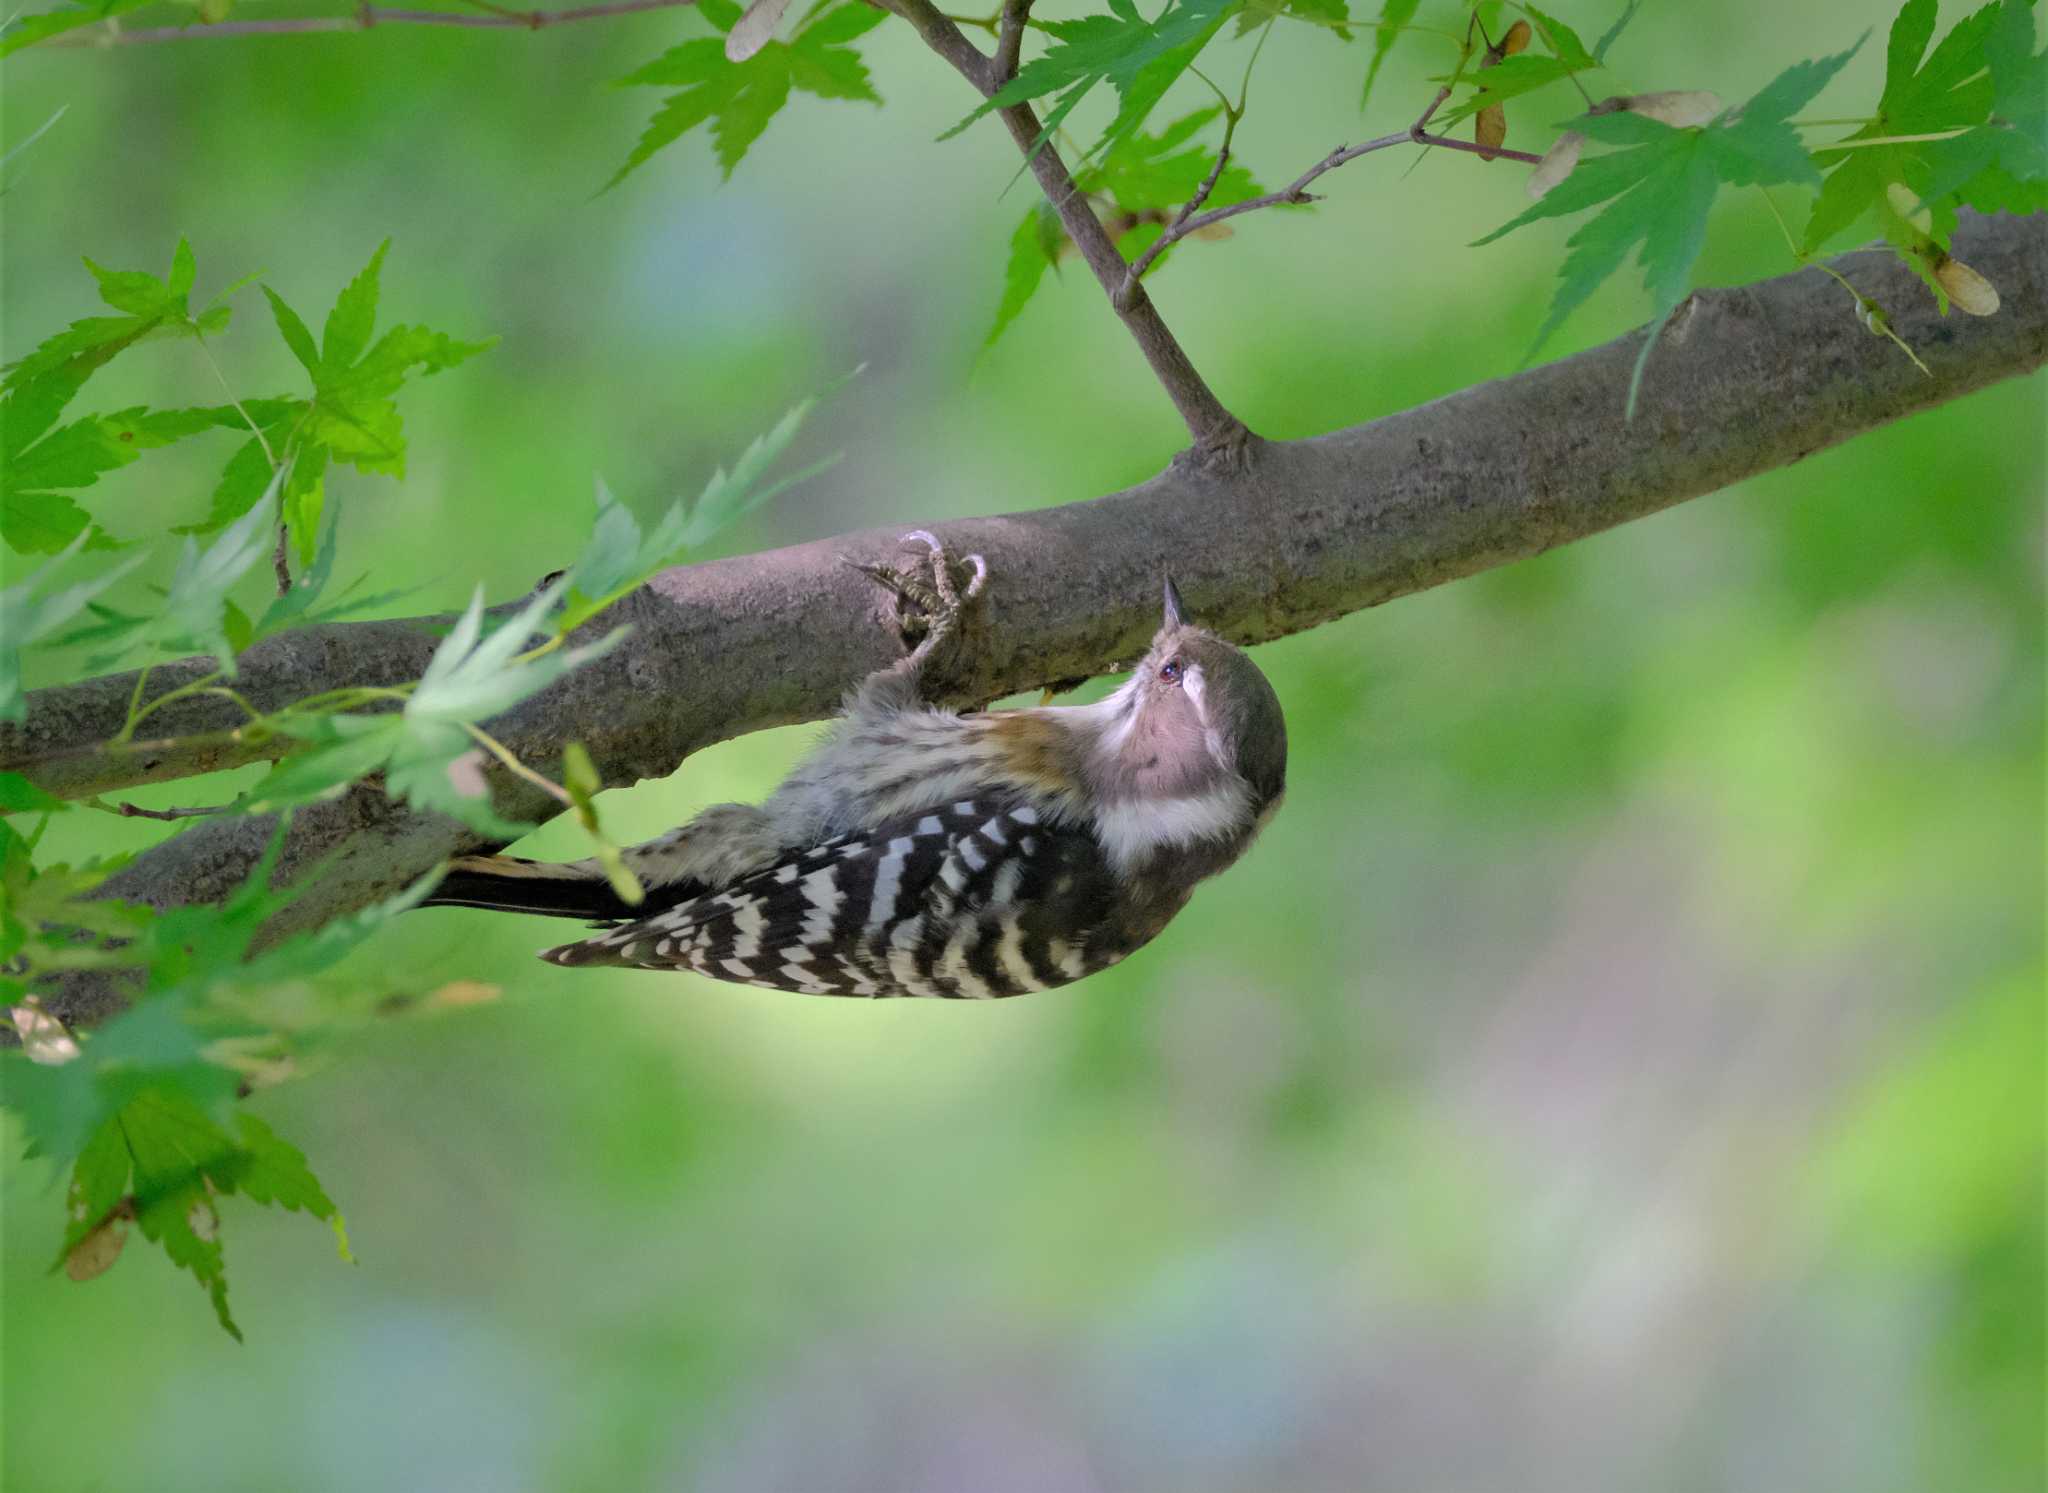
[941, 600]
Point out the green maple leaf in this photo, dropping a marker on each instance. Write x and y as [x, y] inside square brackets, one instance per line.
[1925, 92]
[1523, 73]
[248, 472]
[308, 601]
[196, 613]
[1141, 59]
[352, 416]
[40, 461]
[29, 30]
[1142, 174]
[425, 749]
[19, 796]
[1660, 187]
[2002, 164]
[36, 607]
[35, 515]
[1394, 15]
[1034, 249]
[164, 1161]
[739, 98]
[1331, 15]
[619, 558]
[159, 1058]
[1154, 173]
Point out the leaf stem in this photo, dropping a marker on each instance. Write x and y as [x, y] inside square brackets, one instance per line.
[1874, 316]
[228, 389]
[1245, 85]
[134, 705]
[203, 684]
[1537, 20]
[1893, 140]
[503, 753]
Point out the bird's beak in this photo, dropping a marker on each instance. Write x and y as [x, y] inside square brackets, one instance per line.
[1176, 610]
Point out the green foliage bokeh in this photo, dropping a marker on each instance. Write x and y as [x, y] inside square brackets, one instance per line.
[1619, 1065]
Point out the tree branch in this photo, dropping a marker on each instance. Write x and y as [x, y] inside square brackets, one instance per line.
[1742, 381]
[363, 18]
[1009, 42]
[1220, 438]
[1296, 192]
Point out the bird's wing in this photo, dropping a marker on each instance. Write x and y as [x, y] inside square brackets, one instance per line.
[983, 897]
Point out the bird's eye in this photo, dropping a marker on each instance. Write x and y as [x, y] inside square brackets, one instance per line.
[1170, 671]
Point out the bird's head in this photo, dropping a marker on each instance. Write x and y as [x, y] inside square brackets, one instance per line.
[1197, 712]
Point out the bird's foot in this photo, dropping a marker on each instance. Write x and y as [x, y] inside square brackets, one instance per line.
[937, 597]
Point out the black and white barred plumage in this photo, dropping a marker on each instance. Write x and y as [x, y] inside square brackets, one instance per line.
[920, 852]
[979, 898]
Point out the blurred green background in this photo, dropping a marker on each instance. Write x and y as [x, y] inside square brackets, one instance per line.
[1621, 1066]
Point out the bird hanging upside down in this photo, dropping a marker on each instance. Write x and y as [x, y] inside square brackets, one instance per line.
[919, 851]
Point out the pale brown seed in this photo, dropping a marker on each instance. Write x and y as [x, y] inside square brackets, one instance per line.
[754, 30]
[1556, 165]
[1490, 128]
[1682, 109]
[96, 1252]
[1969, 290]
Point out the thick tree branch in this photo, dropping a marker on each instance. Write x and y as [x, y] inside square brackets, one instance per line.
[1743, 381]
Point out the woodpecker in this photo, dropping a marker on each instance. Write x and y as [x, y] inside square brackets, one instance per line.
[919, 851]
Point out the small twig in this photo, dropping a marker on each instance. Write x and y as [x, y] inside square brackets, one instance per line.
[363, 19]
[1473, 147]
[280, 562]
[1009, 41]
[1296, 192]
[1194, 204]
[1220, 438]
[1415, 129]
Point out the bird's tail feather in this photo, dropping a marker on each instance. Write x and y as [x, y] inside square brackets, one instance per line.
[548, 889]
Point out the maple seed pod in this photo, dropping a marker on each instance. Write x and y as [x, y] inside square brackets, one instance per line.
[753, 30]
[96, 1252]
[1907, 204]
[44, 1039]
[1969, 290]
[1556, 165]
[1682, 110]
[1490, 125]
[1490, 128]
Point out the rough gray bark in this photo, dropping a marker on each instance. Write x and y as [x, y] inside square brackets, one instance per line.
[1743, 381]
